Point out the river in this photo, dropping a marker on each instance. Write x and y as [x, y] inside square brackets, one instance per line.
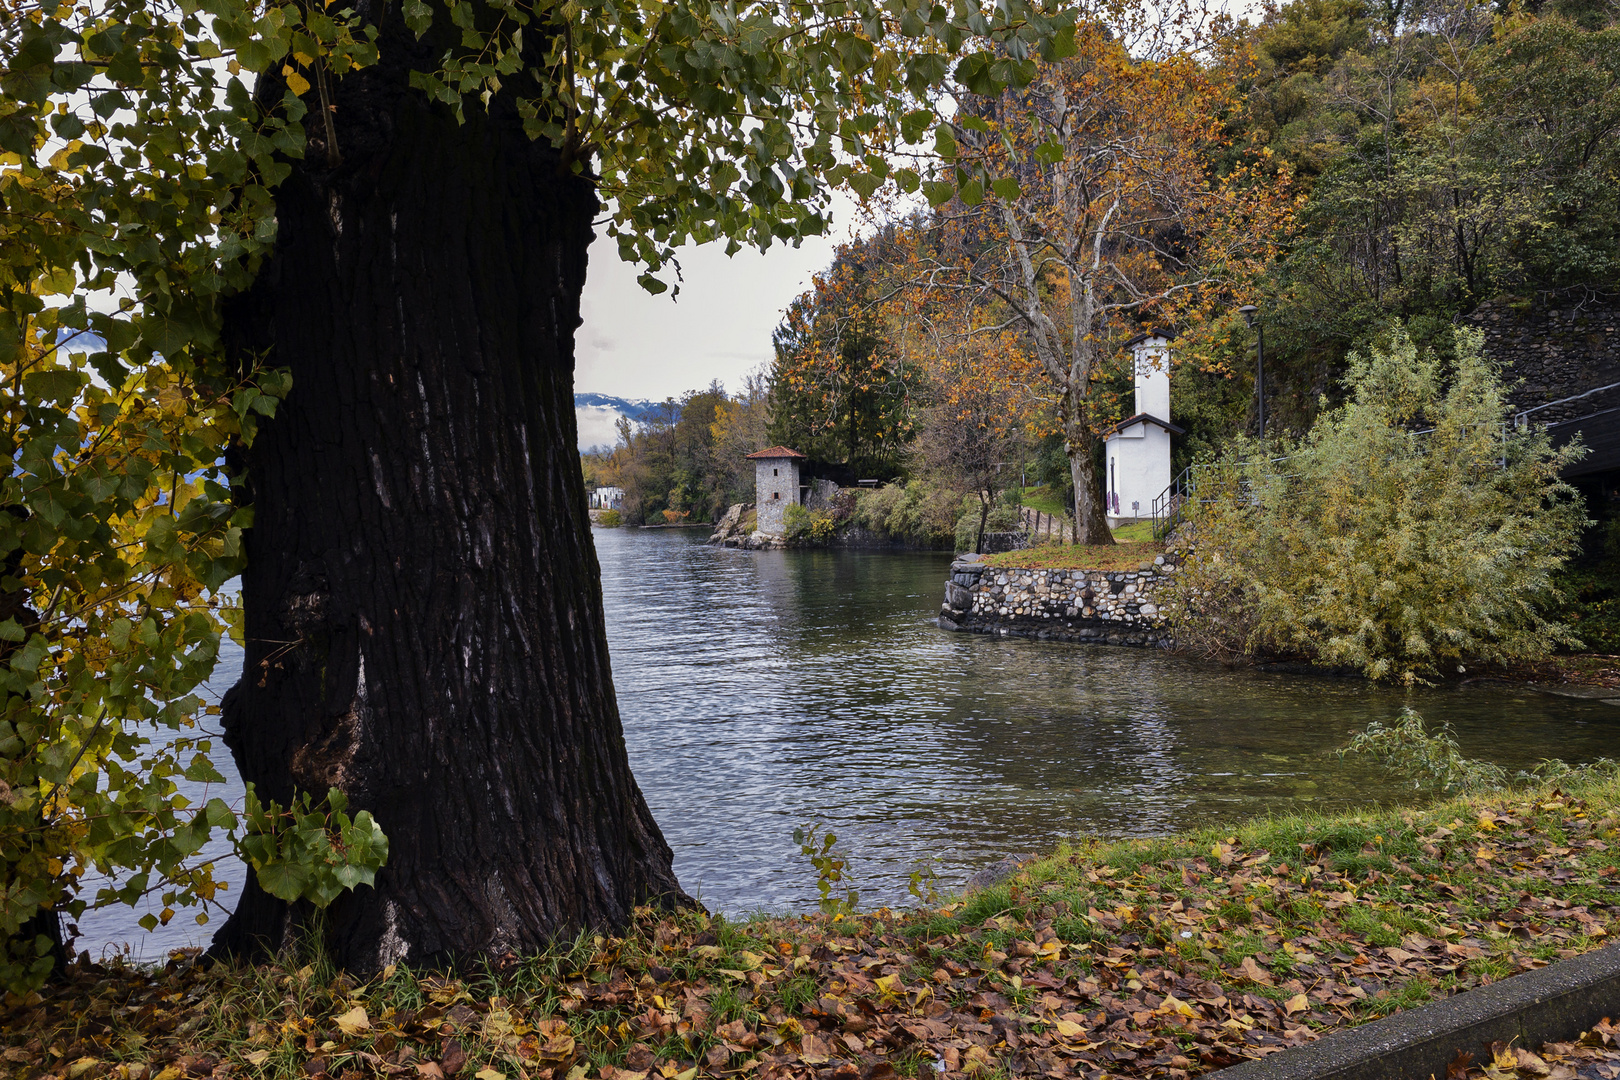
[762, 691]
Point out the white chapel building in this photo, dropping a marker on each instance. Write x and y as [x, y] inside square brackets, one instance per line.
[1137, 449]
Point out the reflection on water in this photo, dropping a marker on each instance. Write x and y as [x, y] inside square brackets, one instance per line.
[765, 690]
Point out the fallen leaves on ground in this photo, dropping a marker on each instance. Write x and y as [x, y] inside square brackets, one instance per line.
[1595, 1055]
[1158, 958]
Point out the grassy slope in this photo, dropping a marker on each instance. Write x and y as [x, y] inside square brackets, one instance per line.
[1145, 958]
[1123, 556]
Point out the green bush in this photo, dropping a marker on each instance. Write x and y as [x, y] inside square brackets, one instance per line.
[1410, 531]
[795, 522]
[1594, 593]
[822, 525]
[1432, 762]
[1003, 518]
[609, 519]
[917, 512]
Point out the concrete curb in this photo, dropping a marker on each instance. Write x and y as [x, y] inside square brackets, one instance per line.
[1551, 1004]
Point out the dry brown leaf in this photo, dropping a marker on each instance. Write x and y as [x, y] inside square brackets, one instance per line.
[1255, 973]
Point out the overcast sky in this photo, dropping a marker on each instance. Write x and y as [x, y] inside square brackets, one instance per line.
[635, 345]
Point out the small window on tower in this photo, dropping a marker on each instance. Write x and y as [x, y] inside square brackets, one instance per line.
[773, 472]
[776, 494]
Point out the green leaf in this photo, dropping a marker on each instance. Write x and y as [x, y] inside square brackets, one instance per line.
[864, 184]
[283, 879]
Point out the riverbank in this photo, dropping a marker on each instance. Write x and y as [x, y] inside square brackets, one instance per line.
[1141, 958]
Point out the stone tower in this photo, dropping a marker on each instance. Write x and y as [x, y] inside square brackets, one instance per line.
[776, 484]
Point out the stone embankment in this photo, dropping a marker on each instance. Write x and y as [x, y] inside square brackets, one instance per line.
[1105, 607]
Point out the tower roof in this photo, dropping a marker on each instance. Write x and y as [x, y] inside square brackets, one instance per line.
[1155, 332]
[1144, 418]
[778, 452]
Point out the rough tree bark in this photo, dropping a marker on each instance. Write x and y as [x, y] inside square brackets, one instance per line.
[1090, 508]
[423, 602]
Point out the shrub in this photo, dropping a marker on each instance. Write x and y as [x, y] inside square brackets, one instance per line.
[609, 519]
[822, 526]
[918, 512]
[1433, 763]
[1371, 545]
[1594, 593]
[795, 522]
[1002, 518]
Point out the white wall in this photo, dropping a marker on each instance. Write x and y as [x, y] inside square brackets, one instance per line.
[1136, 463]
[1152, 357]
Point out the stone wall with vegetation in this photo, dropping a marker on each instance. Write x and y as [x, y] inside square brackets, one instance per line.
[1554, 349]
[1111, 607]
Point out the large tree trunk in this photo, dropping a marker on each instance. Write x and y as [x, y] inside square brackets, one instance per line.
[423, 602]
[1090, 511]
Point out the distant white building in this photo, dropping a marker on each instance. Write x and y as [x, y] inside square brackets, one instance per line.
[1137, 449]
[607, 498]
[776, 485]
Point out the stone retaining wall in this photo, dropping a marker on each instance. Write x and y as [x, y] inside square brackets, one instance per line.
[1554, 348]
[1112, 607]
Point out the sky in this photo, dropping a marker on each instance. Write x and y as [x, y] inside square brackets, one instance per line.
[635, 345]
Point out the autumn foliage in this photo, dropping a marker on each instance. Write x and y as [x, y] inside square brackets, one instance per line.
[1141, 958]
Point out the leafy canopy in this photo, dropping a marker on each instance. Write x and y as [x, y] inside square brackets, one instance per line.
[141, 144]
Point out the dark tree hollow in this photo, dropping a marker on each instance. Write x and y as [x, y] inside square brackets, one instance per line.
[423, 602]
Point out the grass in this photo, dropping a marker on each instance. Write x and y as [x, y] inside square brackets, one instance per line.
[1045, 500]
[1139, 532]
[1186, 953]
[1120, 556]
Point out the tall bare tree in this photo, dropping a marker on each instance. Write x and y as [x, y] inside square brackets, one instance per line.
[1095, 210]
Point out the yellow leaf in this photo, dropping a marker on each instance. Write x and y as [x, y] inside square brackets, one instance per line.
[890, 984]
[354, 1021]
[1068, 1029]
[1173, 1004]
[295, 82]
[257, 1057]
[1297, 1003]
[489, 1074]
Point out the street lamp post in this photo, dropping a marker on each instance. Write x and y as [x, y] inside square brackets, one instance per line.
[1250, 315]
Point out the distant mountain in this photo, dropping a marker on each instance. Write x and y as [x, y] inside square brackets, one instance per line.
[598, 417]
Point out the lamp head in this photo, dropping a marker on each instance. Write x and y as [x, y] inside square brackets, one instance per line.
[1248, 311]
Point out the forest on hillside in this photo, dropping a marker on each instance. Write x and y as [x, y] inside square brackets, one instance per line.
[1343, 165]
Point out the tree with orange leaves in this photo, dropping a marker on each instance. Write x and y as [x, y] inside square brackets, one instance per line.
[1094, 211]
[983, 406]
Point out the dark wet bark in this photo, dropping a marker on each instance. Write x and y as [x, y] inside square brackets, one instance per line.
[423, 601]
